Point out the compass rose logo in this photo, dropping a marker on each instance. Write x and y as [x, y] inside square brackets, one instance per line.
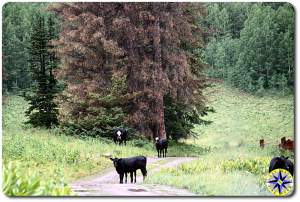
[280, 182]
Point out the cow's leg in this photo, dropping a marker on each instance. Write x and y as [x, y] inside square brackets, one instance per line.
[126, 177]
[166, 152]
[131, 177]
[135, 176]
[157, 153]
[121, 178]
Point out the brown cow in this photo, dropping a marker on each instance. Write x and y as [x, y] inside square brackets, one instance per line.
[262, 143]
[289, 145]
[282, 141]
[286, 144]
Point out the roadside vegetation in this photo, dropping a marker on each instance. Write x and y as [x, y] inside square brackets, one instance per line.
[47, 152]
[236, 164]
[231, 161]
[51, 155]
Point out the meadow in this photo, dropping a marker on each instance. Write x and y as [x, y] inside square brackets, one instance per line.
[236, 164]
[230, 159]
[47, 156]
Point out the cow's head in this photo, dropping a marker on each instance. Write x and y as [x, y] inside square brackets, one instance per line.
[115, 161]
[156, 139]
[282, 162]
[119, 133]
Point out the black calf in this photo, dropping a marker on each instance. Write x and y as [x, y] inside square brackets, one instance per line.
[283, 163]
[130, 165]
[161, 146]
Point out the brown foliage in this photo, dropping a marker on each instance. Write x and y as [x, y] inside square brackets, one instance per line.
[147, 43]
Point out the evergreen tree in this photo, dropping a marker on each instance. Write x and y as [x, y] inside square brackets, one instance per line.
[15, 40]
[42, 111]
[153, 46]
[256, 50]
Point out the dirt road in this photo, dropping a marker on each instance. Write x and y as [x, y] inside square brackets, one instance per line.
[107, 183]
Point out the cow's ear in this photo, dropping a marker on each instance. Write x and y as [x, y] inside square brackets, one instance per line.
[111, 159]
[286, 157]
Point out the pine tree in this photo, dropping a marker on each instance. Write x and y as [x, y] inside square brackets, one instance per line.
[15, 40]
[42, 111]
[151, 45]
[258, 52]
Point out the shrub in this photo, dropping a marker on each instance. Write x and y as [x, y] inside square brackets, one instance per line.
[17, 183]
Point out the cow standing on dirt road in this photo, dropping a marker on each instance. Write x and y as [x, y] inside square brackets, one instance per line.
[130, 165]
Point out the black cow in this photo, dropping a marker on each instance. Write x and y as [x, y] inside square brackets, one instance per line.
[161, 146]
[283, 163]
[120, 135]
[130, 165]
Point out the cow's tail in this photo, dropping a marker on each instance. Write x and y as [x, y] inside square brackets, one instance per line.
[145, 169]
[144, 172]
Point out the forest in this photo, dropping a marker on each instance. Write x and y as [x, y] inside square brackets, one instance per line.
[202, 75]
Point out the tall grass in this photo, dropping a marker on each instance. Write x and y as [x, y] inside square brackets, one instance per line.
[45, 151]
[235, 165]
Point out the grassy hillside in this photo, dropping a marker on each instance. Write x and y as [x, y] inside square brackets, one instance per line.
[243, 119]
[236, 164]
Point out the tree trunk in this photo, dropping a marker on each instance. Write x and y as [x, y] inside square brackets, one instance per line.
[158, 84]
[161, 119]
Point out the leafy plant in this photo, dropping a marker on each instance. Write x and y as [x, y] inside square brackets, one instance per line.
[17, 183]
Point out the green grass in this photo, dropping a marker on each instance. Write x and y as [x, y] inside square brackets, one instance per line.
[242, 119]
[230, 160]
[46, 152]
[235, 165]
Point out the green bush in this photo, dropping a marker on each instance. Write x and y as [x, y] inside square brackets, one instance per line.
[18, 183]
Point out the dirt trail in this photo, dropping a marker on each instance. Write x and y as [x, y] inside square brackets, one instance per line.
[107, 184]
